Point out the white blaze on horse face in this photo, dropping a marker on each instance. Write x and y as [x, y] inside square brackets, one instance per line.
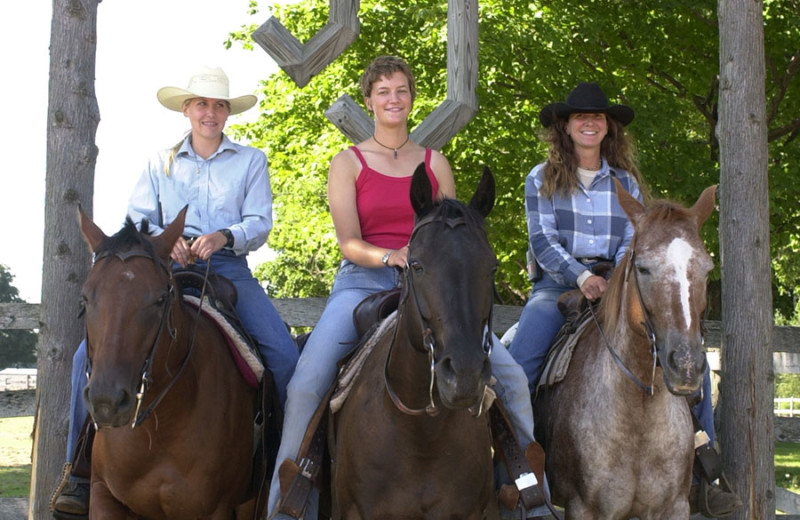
[128, 274]
[679, 254]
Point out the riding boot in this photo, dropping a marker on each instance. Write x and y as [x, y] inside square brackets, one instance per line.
[70, 500]
[712, 494]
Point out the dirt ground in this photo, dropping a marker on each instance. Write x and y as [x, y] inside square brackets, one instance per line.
[17, 403]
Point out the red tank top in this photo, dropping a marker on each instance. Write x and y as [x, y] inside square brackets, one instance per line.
[384, 207]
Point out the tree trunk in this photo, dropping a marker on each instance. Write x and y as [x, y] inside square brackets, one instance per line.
[72, 120]
[746, 397]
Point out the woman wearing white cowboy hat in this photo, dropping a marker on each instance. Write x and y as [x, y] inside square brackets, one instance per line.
[588, 147]
[227, 188]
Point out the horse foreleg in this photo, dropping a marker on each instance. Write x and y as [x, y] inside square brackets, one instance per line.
[103, 505]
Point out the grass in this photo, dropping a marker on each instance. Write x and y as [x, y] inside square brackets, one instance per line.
[15, 458]
[787, 466]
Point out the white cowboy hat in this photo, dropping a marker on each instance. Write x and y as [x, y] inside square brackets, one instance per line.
[210, 82]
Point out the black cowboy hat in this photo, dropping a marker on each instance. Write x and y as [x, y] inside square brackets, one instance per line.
[585, 98]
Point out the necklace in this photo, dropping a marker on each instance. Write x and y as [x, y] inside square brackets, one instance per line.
[390, 147]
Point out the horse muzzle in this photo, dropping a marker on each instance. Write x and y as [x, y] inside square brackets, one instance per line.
[109, 408]
[683, 363]
[462, 383]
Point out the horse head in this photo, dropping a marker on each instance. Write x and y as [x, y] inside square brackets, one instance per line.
[126, 301]
[668, 266]
[448, 289]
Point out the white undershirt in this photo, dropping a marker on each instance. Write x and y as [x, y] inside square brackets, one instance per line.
[586, 176]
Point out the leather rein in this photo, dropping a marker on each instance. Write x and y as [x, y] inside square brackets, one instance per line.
[428, 338]
[647, 324]
[146, 379]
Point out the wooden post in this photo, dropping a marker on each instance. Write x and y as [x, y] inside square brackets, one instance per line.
[72, 119]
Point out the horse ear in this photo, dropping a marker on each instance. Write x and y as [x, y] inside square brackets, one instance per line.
[704, 206]
[92, 234]
[421, 197]
[632, 207]
[164, 242]
[483, 198]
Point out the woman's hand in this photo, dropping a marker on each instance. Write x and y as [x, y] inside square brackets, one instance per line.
[594, 287]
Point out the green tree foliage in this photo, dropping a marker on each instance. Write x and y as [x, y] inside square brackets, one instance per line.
[659, 57]
[17, 347]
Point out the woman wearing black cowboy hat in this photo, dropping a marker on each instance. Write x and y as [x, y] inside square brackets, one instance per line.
[575, 222]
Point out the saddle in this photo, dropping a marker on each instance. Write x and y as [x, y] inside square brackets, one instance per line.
[194, 279]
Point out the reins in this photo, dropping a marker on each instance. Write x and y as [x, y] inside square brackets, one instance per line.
[648, 325]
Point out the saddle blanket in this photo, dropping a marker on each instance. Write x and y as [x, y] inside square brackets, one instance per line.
[246, 360]
[560, 353]
[349, 371]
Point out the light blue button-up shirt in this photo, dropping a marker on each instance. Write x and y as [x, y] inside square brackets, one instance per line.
[587, 224]
[230, 189]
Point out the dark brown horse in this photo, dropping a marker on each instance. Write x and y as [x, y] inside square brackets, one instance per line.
[617, 430]
[409, 440]
[174, 418]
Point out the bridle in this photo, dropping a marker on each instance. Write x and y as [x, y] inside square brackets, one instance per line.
[165, 322]
[428, 338]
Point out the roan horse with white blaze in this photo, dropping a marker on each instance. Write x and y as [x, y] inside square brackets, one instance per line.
[618, 430]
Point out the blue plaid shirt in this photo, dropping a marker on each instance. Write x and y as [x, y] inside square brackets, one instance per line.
[588, 224]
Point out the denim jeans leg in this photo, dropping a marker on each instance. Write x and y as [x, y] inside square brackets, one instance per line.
[704, 410]
[538, 325]
[261, 319]
[77, 408]
[333, 337]
[512, 390]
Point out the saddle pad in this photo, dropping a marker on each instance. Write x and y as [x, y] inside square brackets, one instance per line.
[349, 372]
[246, 360]
[560, 354]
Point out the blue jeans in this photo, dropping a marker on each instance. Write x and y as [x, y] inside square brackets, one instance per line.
[538, 324]
[259, 317]
[334, 336]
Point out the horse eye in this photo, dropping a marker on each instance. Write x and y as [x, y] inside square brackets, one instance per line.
[416, 266]
[82, 307]
[644, 271]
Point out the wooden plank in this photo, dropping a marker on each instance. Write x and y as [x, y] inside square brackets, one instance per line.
[23, 316]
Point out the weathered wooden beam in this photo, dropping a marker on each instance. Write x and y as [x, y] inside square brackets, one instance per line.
[302, 62]
[23, 316]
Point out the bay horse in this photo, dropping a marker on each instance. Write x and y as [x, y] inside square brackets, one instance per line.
[174, 418]
[618, 447]
[409, 439]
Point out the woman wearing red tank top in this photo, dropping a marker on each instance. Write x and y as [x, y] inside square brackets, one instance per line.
[368, 195]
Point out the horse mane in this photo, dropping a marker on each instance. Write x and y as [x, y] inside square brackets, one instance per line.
[127, 238]
[658, 213]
